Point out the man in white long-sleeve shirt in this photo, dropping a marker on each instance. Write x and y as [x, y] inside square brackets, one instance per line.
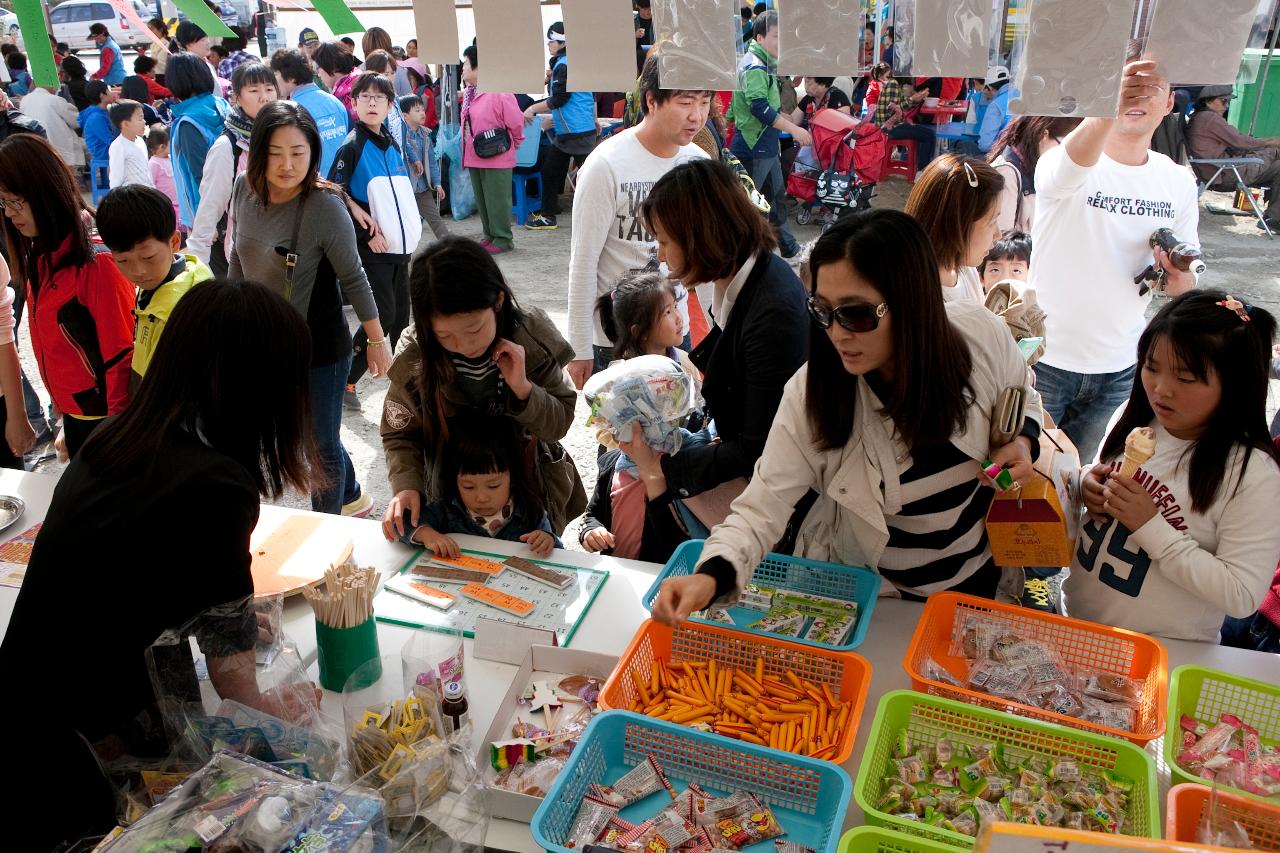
[1099, 197]
[609, 237]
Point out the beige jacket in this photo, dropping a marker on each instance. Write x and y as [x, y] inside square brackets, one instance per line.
[847, 523]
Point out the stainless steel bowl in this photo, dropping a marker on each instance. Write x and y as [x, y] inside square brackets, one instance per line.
[11, 509]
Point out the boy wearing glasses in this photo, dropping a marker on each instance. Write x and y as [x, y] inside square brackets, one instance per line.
[371, 168]
[1210, 137]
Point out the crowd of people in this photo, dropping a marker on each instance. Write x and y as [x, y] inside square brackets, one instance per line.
[845, 390]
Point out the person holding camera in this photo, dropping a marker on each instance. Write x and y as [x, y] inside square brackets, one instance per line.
[1099, 197]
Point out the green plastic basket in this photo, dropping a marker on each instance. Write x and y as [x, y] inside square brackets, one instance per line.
[873, 839]
[1205, 695]
[928, 718]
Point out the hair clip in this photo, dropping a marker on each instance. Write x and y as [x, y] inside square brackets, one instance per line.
[1233, 304]
[971, 175]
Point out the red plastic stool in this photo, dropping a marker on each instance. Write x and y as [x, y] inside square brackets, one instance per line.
[906, 167]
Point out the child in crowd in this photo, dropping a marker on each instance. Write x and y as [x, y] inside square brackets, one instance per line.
[370, 167]
[1190, 537]
[138, 224]
[161, 168]
[20, 79]
[641, 318]
[1009, 258]
[488, 491]
[95, 123]
[128, 151]
[145, 67]
[426, 169]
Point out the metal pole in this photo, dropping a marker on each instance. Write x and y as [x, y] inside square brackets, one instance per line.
[1266, 69]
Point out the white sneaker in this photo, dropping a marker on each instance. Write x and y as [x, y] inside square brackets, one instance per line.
[360, 507]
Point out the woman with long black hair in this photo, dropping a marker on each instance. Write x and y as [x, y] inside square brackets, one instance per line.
[296, 237]
[888, 422]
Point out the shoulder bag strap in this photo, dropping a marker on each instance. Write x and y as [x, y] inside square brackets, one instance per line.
[291, 259]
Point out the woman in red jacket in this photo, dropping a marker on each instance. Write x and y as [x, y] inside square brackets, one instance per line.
[79, 305]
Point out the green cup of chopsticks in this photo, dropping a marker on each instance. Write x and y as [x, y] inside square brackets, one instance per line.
[346, 633]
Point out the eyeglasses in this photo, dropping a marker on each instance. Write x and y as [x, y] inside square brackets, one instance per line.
[14, 204]
[858, 317]
[366, 98]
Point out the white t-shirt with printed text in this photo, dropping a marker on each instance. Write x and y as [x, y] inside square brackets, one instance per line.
[1182, 571]
[609, 237]
[1091, 237]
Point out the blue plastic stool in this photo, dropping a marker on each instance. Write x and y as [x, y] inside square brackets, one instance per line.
[99, 169]
[523, 203]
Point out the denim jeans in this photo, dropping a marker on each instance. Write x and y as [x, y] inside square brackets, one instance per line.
[766, 172]
[328, 382]
[926, 140]
[1255, 632]
[1082, 403]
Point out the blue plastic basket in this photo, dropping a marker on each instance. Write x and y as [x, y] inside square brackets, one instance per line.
[808, 797]
[846, 583]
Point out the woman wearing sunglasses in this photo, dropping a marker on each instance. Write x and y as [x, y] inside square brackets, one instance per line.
[707, 230]
[888, 422]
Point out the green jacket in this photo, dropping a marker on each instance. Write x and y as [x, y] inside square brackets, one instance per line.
[151, 320]
[758, 76]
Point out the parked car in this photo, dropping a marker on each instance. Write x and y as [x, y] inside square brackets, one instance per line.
[71, 21]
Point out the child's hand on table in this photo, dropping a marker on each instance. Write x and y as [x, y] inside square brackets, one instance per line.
[597, 539]
[539, 542]
[1127, 501]
[438, 543]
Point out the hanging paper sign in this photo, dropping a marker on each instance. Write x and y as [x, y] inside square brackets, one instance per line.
[339, 18]
[35, 34]
[437, 28]
[608, 64]
[1074, 57]
[516, 58]
[952, 38]
[205, 18]
[702, 43]
[819, 38]
[1199, 43]
[131, 15]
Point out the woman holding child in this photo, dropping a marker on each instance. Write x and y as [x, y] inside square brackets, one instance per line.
[888, 421]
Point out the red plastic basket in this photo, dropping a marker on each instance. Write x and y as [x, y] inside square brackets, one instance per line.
[847, 674]
[1078, 642]
[1187, 804]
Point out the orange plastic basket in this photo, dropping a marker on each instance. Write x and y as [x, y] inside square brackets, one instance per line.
[1187, 804]
[1078, 642]
[848, 674]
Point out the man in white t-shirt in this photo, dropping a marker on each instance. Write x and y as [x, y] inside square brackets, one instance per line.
[609, 237]
[1099, 197]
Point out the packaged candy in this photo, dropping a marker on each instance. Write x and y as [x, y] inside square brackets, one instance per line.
[590, 821]
[645, 778]
[780, 621]
[998, 679]
[757, 596]
[790, 847]
[748, 825]
[1110, 686]
[614, 829]
[911, 769]
[966, 823]
[937, 672]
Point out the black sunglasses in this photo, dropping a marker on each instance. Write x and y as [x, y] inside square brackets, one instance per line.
[858, 317]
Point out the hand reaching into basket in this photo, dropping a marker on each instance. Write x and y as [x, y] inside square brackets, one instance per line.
[680, 596]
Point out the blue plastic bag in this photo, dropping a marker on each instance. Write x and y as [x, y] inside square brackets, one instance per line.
[462, 197]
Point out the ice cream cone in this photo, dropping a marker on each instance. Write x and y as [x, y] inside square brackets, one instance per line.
[1138, 448]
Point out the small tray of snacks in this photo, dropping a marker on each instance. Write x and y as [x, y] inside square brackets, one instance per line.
[876, 839]
[942, 769]
[811, 603]
[1034, 664]
[1189, 805]
[758, 689]
[1225, 729]
[637, 784]
[538, 724]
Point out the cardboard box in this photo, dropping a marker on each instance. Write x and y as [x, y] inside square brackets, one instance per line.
[541, 663]
[1042, 531]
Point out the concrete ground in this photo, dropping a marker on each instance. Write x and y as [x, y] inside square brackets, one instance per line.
[1241, 260]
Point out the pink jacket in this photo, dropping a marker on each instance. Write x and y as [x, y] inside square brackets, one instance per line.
[485, 111]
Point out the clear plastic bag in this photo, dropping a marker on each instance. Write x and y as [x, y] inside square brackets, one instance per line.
[650, 390]
[1072, 56]
[821, 38]
[701, 43]
[952, 38]
[462, 196]
[1196, 42]
[1218, 829]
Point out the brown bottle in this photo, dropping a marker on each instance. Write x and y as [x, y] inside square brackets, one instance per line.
[454, 707]
[1184, 256]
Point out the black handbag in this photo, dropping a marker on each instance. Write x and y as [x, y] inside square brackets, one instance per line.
[490, 143]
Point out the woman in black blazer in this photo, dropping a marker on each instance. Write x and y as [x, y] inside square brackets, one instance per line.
[708, 231]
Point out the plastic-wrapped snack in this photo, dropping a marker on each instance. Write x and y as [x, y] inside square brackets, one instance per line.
[1056, 698]
[999, 679]
[790, 847]
[613, 830]
[1115, 715]
[531, 779]
[1065, 770]
[1014, 648]
[645, 778]
[937, 672]
[665, 831]
[590, 821]
[966, 822]
[757, 596]
[1109, 686]
[1215, 740]
[651, 390]
[992, 812]
[750, 825]
[911, 769]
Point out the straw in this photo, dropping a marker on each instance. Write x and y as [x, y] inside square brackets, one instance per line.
[347, 599]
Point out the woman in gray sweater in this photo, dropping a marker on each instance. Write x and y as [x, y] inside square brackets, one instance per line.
[296, 237]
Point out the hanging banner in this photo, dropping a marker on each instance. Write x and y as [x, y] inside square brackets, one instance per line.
[339, 18]
[951, 39]
[204, 18]
[1199, 43]
[512, 46]
[702, 43]
[602, 45]
[35, 35]
[820, 38]
[125, 8]
[437, 28]
[1074, 58]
